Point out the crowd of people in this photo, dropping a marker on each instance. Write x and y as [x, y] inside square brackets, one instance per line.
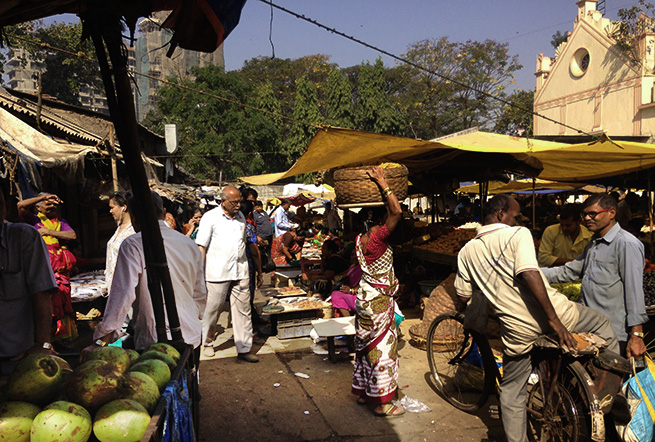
[216, 261]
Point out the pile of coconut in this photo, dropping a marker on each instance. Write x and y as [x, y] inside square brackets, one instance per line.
[44, 400]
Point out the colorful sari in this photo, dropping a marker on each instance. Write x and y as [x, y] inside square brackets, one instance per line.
[277, 249]
[375, 375]
[62, 262]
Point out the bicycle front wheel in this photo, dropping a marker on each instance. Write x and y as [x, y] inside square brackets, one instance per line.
[459, 361]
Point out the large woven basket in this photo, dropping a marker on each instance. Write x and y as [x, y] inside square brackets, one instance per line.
[352, 185]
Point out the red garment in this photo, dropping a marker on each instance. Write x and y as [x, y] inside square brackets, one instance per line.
[377, 244]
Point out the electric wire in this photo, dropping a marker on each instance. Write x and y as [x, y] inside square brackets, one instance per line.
[422, 68]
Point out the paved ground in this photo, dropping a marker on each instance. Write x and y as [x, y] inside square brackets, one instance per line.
[268, 402]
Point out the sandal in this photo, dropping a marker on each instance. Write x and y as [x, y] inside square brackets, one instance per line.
[361, 400]
[391, 411]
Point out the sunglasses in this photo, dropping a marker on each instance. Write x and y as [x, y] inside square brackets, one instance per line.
[593, 215]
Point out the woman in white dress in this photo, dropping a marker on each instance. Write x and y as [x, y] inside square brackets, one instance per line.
[118, 210]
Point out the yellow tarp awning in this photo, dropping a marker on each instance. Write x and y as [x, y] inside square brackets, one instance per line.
[496, 187]
[336, 147]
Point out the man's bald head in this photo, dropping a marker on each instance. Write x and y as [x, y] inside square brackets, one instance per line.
[230, 200]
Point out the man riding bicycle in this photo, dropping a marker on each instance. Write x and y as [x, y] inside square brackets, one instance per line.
[499, 267]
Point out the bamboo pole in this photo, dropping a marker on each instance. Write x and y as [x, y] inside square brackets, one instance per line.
[103, 22]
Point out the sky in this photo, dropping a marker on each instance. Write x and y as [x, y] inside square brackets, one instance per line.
[393, 25]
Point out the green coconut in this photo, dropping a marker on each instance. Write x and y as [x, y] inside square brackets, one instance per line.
[156, 369]
[133, 354]
[121, 420]
[139, 387]
[16, 420]
[62, 421]
[93, 384]
[152, 354]
[35, 379]
[114, 355]
[166, 348]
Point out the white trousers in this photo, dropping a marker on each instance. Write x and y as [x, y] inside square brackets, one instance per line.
[217, 293]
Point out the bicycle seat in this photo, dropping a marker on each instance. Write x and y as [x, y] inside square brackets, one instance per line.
[588, 343]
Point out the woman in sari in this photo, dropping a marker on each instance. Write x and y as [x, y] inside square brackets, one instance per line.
[286, 248]
[124, 228]
[375, 376]
[54, 230]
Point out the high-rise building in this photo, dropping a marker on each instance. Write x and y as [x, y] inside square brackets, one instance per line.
[22, 73]
[150, 58]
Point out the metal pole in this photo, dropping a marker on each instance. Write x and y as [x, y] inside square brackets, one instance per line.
[106, 30]
[650, 216]
[534, 200]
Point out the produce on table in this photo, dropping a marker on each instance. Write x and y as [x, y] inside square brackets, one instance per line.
[139, 387]
[450, 243]
[649, 288]
[152, 354]
[16, 420]
[570, 289]
[114, 355]
[121, 420]
[133, 354]
[35, 379]
[166, 348]
[93, 384]
[62, 421]
[156, 369]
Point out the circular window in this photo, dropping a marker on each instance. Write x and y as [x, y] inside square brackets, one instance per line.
[580, 62]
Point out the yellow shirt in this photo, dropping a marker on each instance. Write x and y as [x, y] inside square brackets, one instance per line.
[555, 244]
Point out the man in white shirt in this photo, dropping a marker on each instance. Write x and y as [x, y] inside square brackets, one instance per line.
[129, 287]
[499, 267]
[282, 222]
[222, 240]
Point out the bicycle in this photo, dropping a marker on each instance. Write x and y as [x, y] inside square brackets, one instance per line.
[567, 395]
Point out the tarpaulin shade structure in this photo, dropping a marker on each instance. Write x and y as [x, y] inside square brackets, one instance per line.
[31, 143]
[337, 147]
[469, 154]
[521, 186]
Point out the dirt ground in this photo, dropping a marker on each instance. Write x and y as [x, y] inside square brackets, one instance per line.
[267, 401]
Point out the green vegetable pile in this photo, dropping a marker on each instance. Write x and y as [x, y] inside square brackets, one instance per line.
[570, 289]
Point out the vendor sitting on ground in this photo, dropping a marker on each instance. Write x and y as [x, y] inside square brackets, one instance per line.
[563, 242]
[333, 265]
[287, 247]
[344, 299]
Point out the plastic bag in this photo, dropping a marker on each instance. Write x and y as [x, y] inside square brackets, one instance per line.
[412, 405]
[640, 393]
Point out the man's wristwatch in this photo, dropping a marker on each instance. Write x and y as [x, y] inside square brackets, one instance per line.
[100, 343]
[46, 346]
[638, 334]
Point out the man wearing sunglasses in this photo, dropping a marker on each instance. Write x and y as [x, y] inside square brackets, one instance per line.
[611, 269]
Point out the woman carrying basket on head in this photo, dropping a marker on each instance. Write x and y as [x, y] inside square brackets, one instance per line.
[376, 366]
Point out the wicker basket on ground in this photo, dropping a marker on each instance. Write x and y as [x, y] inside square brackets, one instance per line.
[443, 299]
[352, 185]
